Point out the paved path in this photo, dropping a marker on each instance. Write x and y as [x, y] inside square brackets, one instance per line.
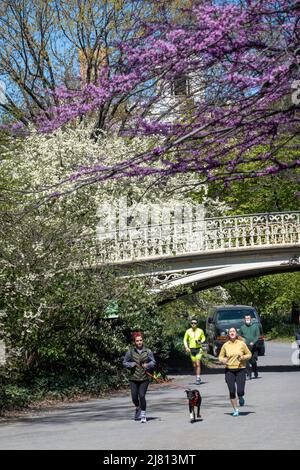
[269, 420]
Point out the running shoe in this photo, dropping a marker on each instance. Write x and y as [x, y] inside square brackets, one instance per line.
[241, 401]
[137, 414]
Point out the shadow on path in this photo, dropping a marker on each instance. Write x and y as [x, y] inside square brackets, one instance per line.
[220, 370]
[100, 411]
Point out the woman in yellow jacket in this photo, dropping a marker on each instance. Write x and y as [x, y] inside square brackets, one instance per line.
[235, 354]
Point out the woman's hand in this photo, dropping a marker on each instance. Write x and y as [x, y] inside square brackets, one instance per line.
[241, 358]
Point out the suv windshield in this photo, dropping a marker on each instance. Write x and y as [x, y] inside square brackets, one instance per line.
[225, 315]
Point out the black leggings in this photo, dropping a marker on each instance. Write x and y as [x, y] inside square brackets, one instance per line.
[138, 392]
[238, 377]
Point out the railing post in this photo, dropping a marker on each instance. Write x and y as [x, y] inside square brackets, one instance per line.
[252, 241]
[236, 233]
[267, 231]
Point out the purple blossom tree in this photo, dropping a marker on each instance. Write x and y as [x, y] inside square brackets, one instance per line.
[217, 84]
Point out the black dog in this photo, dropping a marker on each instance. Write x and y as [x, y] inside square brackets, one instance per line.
[195, 400]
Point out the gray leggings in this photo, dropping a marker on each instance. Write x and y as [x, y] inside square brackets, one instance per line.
[138, 392]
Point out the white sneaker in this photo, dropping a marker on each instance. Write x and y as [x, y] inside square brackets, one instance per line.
[143, 418]
[137, 414]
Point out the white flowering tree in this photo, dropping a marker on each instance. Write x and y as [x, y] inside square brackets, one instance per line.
[53, 305]
[44, 168]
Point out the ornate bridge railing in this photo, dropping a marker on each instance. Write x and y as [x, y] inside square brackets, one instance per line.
[194, 236]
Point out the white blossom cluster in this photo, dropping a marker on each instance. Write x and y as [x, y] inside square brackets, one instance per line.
[40, 161]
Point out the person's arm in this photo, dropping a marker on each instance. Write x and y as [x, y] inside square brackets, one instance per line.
[185, 341]
[257, 334]
[202, 337]
[222, 356]
[127, 361]
[150, 364]
[247, 353]
[242, 332]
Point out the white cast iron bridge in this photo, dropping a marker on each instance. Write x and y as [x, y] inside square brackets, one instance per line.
[205, 253]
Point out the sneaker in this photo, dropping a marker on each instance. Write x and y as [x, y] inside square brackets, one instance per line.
[198, 381]
[236, 413]
[241, 401]
[256, 375]
[137, 414]
[143, 419]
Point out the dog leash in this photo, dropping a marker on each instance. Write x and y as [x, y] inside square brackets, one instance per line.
[160, 381]
[163, 382]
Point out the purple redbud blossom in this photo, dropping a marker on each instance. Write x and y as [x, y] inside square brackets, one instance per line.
[214, 88]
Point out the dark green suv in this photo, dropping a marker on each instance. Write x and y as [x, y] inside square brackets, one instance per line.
[222, 318]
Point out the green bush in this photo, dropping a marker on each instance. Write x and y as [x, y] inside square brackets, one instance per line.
[276, 326]
[72, 347]
[14, 396]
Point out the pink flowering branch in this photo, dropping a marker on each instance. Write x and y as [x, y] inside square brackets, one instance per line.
[240, 59]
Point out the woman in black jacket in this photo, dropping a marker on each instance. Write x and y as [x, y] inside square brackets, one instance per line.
[139, 360]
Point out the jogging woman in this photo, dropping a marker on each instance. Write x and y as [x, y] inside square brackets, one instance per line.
[139, 360]
[235, 354]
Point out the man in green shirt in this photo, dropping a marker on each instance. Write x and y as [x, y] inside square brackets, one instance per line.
[250, 332]
[193, 339]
